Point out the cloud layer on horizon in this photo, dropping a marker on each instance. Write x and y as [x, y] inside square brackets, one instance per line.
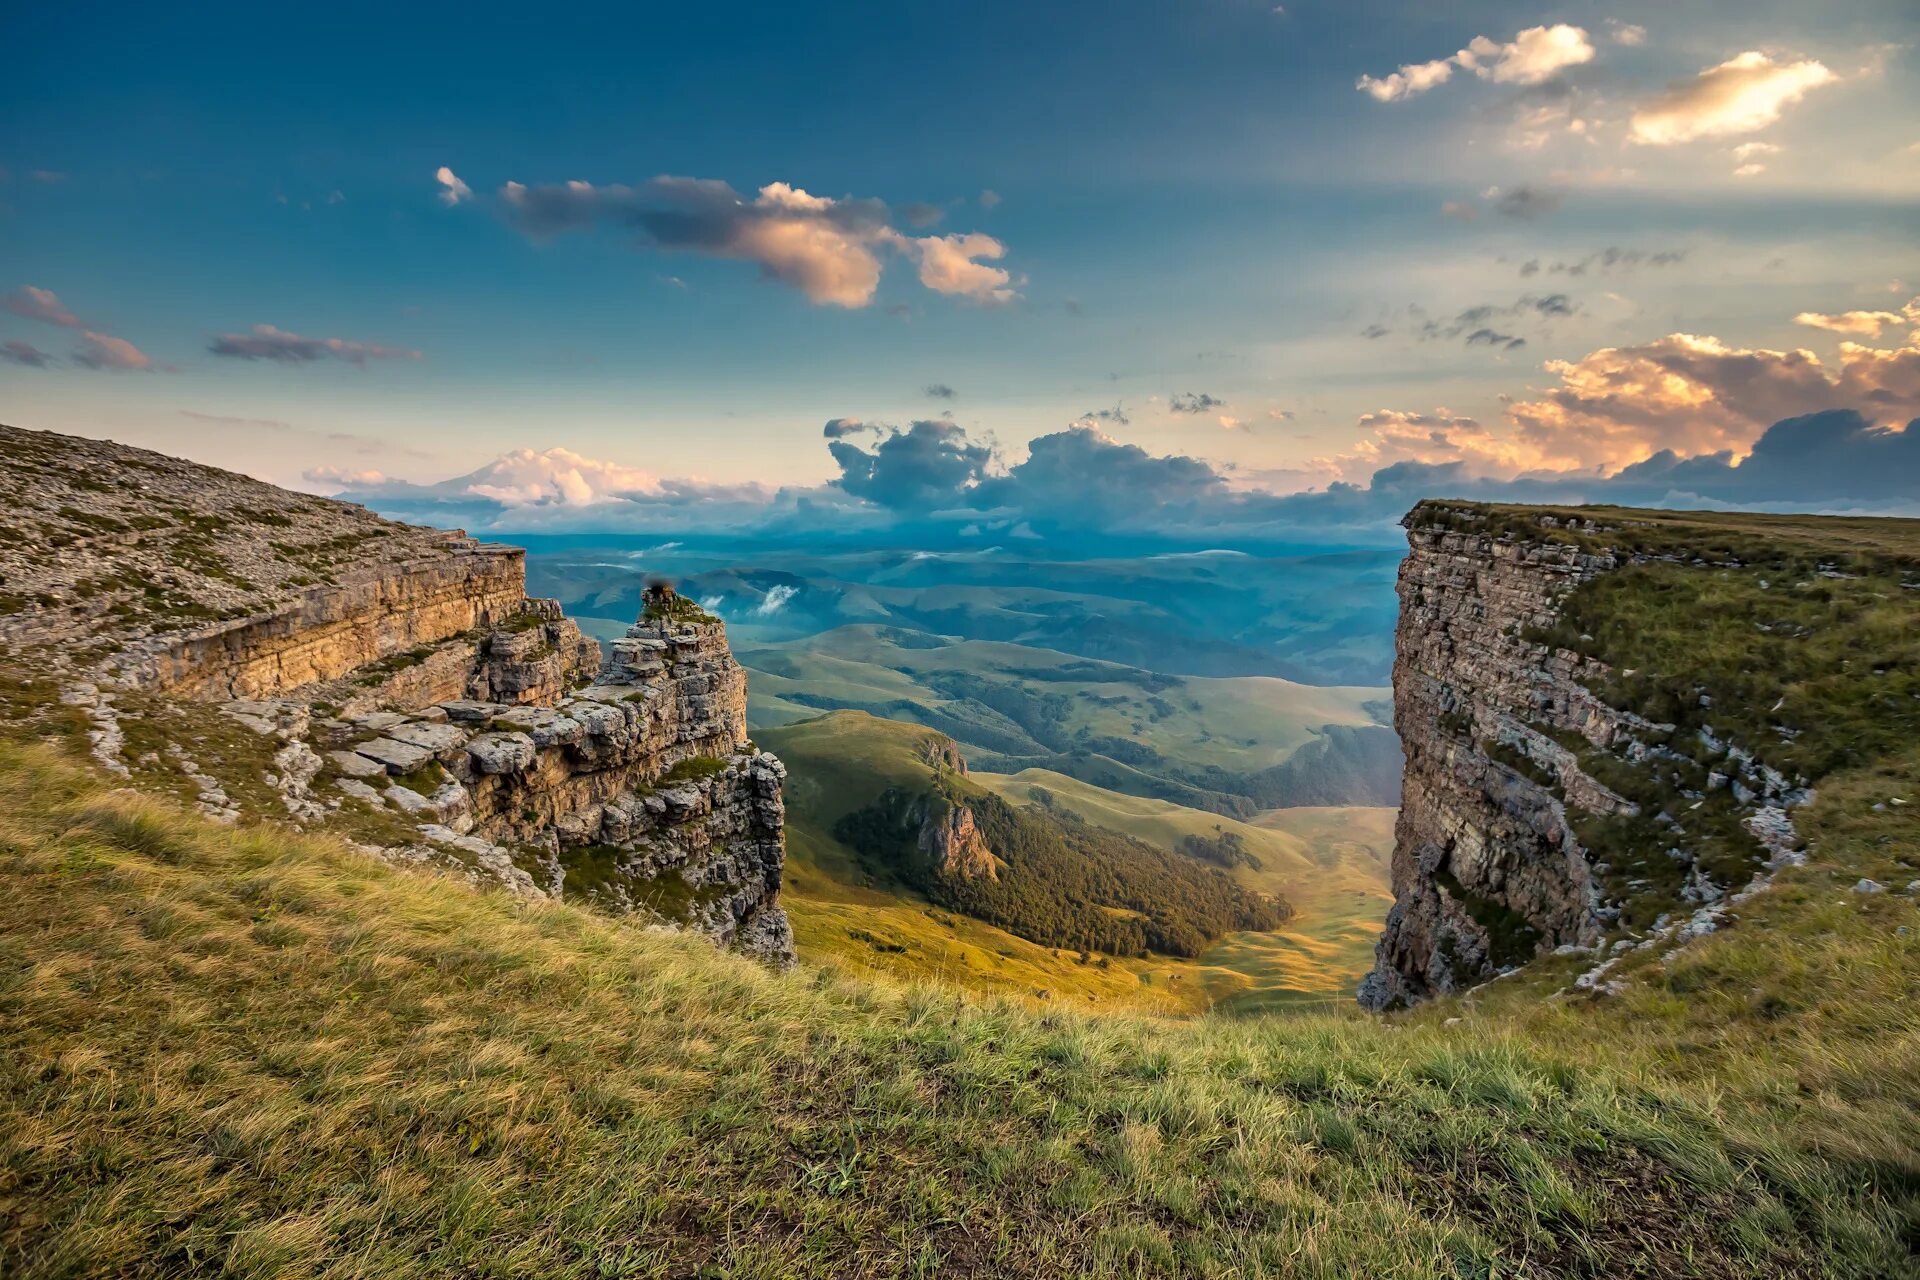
[930, 482]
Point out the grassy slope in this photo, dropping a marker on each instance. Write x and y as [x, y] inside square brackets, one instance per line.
[1331, 865]
[261, 1054]
[842, 761]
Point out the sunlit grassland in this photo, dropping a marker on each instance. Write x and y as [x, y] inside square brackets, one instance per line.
[1330, 864]
[256, 1053]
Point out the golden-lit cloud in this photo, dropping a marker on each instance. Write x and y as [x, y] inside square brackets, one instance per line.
[1861, 324]
[1686, 393]
[831, 249]
[1744, 94]
[948, 265]
[1532, 57]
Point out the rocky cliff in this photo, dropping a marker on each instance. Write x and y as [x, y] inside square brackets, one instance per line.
[1553, 800]
[394, 671]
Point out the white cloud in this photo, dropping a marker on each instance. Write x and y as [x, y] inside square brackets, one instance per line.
[1697, 394]
[556, 477]
[1409, 81]
[947, 265]
[1741, 95]
[1626, 33]
[1867, 324]
[1532, 57]
[452, 190]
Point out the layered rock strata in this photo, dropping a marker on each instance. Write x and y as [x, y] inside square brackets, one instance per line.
[1488, 868]
[639, 791]
[397, 667]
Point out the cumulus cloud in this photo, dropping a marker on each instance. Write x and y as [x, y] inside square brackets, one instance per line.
[923, 467]
[1695, 394]
[103, 351]
[1532, 57]
[840, 428]
[1744, 94]
[25, 353]
[941, 391]
[525, 477]
[40, 304]
[947, 265]
[935, 480]
[1410, 81]
[452, 190]
[1867, 324]
[265, 342]
[1195, 402]
[1817, 457]
[829, 249]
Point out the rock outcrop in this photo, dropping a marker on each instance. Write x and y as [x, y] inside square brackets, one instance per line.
[403, 669]
[1488, 867]
[950, 839]
[639, 791]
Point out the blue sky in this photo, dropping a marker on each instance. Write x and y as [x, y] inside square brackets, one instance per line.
[1196, 205]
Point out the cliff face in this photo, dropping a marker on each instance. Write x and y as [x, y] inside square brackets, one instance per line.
[398, 669]
[639, 790]
[1502, 732]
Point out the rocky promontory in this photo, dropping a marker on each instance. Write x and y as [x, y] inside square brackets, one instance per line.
[1554, 801]
[395, 672]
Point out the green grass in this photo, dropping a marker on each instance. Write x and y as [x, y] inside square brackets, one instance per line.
[1331, 864]
[253, 1053]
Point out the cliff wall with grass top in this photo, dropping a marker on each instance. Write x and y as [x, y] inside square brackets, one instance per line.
[1612, 717]
[274, 655]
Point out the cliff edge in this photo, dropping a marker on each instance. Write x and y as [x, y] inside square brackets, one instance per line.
[269, 654]
[1610, 718]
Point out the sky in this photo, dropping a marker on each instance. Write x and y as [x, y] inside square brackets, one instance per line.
[641, 265]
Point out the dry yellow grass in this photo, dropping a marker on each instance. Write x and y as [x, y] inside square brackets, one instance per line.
[260, 1054]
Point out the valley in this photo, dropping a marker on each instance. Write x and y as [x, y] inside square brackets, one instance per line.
[961, 657]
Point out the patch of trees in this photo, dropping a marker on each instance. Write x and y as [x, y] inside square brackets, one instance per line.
[1061, 882]
[1223, 848]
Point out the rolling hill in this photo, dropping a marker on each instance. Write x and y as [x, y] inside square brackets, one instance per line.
[1231, 745]
[1330, 865]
